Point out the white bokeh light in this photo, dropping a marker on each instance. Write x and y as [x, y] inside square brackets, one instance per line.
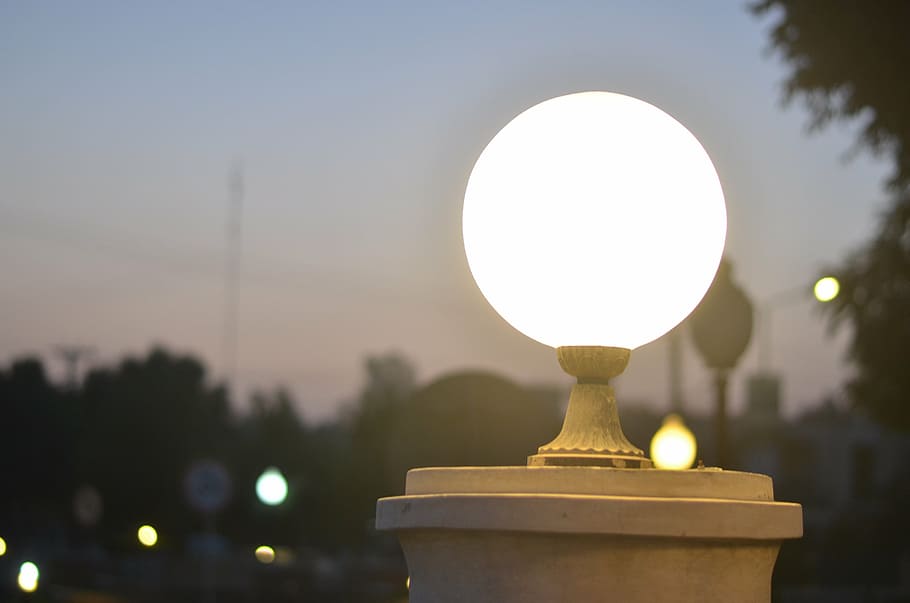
[594, 219]
[272, 487]
[28, 577]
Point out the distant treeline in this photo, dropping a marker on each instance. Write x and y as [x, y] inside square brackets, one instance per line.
[130, 432]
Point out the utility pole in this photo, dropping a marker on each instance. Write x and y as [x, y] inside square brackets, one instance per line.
[72, 356]
[232, 272]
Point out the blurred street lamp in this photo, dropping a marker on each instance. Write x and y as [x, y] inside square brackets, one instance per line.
[272, 487]
[593, 223]
[826, 289]
[147, 536]
[673, 446]
[28, 577]
[2, 547]
[764, 386]
[721, 329]
[265, 554]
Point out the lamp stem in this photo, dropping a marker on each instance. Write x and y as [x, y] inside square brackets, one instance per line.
[720, 392]
[676, 396]
[591, 433]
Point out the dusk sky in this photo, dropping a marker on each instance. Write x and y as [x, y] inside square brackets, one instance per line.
[357, 125]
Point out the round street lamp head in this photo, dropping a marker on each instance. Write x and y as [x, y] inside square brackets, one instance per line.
[147, 535]
[594, 219]
[264, 554]
[673, 446]
[826, 289]
[722, 323]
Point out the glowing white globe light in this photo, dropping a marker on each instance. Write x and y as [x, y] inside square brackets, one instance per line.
[673, 446]
[271, 487]
[594, 219]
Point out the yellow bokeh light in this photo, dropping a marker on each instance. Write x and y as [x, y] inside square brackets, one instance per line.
[265, 554]
[147, 535]
[673, 446]
[2, 547]
[28, 577]
[594, 219]
[26, 584]
[826, 289]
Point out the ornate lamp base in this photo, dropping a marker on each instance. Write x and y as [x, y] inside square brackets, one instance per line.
[591, 434]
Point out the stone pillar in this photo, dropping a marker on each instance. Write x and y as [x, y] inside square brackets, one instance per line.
[553, 534]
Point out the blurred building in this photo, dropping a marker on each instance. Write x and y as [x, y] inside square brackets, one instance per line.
[851, 476]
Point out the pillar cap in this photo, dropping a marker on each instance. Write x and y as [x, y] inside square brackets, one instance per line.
[708, 482]
[699, 503]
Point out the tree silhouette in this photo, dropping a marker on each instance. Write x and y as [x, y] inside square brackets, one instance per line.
[389, 381]
[875, 300]
[143, 423]
[849, 61]
[38, 428]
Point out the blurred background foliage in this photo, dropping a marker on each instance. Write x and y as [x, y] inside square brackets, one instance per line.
[849, 61]
[132, 431]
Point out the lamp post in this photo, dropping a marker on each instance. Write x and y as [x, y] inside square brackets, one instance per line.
[764, 386]
[825, 289]
[721, 329]
[674, 357]
[593, 223]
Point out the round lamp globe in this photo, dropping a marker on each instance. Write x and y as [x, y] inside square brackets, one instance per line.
[594, 219]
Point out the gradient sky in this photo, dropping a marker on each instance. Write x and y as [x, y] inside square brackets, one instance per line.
[357, 125]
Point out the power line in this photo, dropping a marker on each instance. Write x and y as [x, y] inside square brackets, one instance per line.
[36, 227]
[197, 264]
